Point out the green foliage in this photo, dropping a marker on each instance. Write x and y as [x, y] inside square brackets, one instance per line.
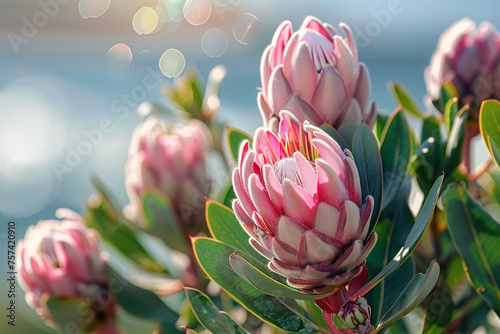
[476, 236]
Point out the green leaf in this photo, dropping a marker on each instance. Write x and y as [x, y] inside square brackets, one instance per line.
[439, 311]
[395, 151]
[209, 315]
[332, 132]
[476, 236]
[413, 238]
[393, 226]
[455, 142]
[266, 284]
[380, 124]
[495, 151]
[489, 121]
[140, 302]
[161, 220]
[234, 139]
[431, 132]
[213, 257]
[447, 92]
[112, 227]
[347, 131]
[225, 227]
[414, 294]
[405, 99]
[369, 162]
[450, 112]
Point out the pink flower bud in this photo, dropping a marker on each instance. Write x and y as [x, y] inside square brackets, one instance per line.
[171, 159]
[314, 73]
[469, 58]
[62, 259]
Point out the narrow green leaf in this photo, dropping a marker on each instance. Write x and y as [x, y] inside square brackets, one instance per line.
[455, 142]
[395, 152]
[405, 99]
[476, 236]
[213, 257]
[209, 315]
[75, 311]
[369, 162]
[393, 226]
[413, 238]
[140, 302]
[161, 220]
[450, 112]
[414, 293]
[265, 283]
[234, 139]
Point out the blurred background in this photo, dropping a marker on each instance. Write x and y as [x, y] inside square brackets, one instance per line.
[74, 71]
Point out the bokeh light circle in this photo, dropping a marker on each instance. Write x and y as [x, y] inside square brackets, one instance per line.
[119, 56]
[197, 12]
[172, 6]
[172, 63]
[243, 27]
[221, 3]
[145, 21]
[214, 42]
[93, 8]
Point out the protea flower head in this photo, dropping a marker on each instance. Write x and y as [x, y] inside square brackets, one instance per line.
[356, 315]
[62, 259]
[171, 159]
[314, 73]
[299, 198]
[469, 58]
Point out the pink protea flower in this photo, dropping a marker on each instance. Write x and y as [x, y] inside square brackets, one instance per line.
[469, 58]
[62, 259]
[314, 73]
[299, 198]
[171, 159]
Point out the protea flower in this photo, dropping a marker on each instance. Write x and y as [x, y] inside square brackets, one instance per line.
[356, 316]
[62, 259]
[171, 159]
[469, 59]
[299, 199]
[314, 73]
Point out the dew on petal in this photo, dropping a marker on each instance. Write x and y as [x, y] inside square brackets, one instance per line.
[214, 42]
[119, 56]
[243, 27]
[145, 21]
[172, 63]
[93, 8]
[197, 12]
[221, 3]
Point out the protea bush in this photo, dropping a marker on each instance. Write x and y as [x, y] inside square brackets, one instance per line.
[299, 198]
[311, 225]
[315, 74]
